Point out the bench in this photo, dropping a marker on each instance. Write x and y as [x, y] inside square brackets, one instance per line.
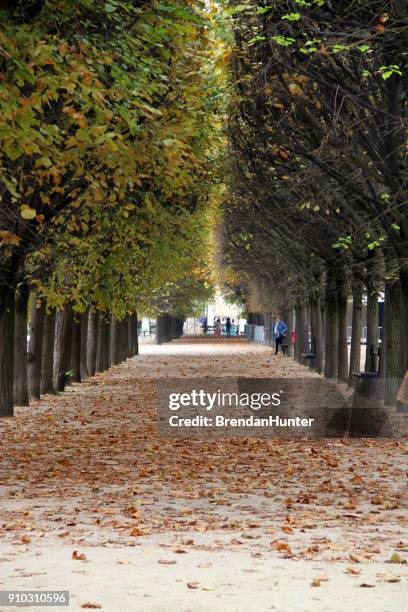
[365, 375]
[309, 355]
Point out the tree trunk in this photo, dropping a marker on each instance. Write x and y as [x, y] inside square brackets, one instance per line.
[162, 331]
[75, 366]
[135, 338]
[331, 365]
[304, 333]
[115, 340]
[343, 371]
[7, 315]
[108, 331]
[62, 347]
[355, 348]
[391, 341]
[316, 334]
[289, 323]
[298, 316]
[129, 352]
[371, 360]
[92, 341]
[404, 321]
[101, 343]
[35, 349]
[20, 346]
[124, 331]
[84, 345]
[47, 369]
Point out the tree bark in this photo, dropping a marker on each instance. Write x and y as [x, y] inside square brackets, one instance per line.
[331, 365]
[289, 323]
[115, 340]
[316, 333]
[135, 337]
[124, 340]
[21, 397]
[304, 333]
[35, 349]
[84, 345]
[92, 341]
[75, 366]
[162, 329]
[392, 341]
[101, 344]
[343, 371]
[108, 331]
[7, 316]
[297, 353]
[47, 368]
[62, 347]
[404, 321]
[355, 348]
[372, 330]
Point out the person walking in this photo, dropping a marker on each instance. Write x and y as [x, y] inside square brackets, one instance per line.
[279, 332]
[217, 328]
[228, 326]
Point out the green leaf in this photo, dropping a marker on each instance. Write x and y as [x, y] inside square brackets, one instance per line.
[263, 9]
[109, 8]
[284, 41]
[256, 39]
[292, 17]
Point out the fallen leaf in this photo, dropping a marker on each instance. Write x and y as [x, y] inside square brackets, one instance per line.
[353, 570]
[355, 558]
[78, 557]
[136, 532]
[396, 558]
[283, 547]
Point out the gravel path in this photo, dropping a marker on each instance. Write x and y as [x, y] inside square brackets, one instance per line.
[94, 501]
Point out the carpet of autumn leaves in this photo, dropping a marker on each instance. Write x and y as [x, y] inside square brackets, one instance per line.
[87, 468]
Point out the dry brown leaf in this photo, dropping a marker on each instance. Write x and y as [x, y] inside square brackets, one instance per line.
[136, 532]
[78, 556]
[353, 570]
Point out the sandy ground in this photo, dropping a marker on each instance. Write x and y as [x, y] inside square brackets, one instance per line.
[94, 502]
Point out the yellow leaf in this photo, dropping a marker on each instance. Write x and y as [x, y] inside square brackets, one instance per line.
[10, 238]
[28, 213]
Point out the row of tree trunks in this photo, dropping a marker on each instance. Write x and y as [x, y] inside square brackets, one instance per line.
[168, 328]
[63, 346]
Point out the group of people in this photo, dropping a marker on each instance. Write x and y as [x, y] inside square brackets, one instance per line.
[279, 329]
[218, 325]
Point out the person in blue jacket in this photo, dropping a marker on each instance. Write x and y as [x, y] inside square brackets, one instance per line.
[279, 332]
